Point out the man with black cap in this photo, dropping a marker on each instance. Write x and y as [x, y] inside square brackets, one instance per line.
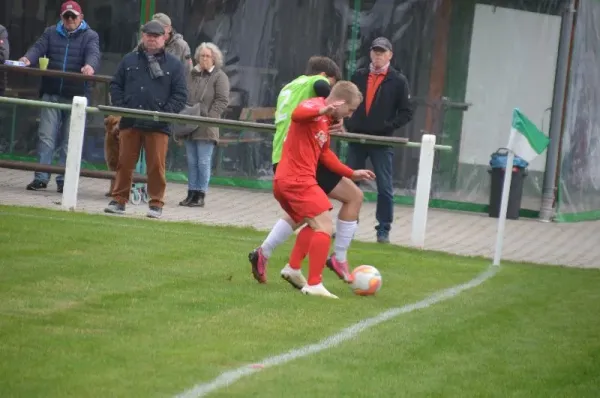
[147, 79]
[175, 45]
[386, 108]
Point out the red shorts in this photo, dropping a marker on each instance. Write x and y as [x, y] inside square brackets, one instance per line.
[301, 200]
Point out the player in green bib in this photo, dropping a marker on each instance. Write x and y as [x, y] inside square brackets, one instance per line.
[296, 91]
[321, 74]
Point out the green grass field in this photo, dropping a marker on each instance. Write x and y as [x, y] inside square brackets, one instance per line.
[98, 306]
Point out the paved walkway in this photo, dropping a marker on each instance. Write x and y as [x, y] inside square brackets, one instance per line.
[574, 244]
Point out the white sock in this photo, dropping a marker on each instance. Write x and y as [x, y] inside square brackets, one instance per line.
[344, 232]
[280, 232]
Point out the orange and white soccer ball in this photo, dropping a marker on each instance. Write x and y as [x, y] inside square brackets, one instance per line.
[366, 280]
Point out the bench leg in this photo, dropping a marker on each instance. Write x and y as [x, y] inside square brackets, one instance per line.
[13, 128]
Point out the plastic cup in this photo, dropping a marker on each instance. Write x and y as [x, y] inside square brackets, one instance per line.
[43, 61]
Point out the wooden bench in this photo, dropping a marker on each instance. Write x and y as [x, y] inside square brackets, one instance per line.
[249, 115]
[255, 114]
[224, 142]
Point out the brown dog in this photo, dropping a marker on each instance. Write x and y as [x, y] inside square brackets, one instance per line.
[111, 145]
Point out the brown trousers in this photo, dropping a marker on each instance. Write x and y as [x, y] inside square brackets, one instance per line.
[130, 144]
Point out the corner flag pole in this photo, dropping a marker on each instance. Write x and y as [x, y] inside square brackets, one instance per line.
[504, 206]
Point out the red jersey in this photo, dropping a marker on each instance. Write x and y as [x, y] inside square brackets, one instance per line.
[307, 144]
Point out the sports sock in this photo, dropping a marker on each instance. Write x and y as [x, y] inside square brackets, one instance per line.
[301, 247]
[344, 234]
[280, 232]
[317, 255]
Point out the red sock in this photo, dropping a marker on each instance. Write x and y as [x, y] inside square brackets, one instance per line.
[317, 256]
[301, 247]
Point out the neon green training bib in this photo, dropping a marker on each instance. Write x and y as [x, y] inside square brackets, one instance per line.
[290, 96]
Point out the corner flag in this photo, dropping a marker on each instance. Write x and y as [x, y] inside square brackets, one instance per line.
[527, 142]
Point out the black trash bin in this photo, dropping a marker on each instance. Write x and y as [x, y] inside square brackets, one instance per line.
[497, 171]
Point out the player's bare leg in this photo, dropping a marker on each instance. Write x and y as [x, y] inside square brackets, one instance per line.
[320, 231]
[351, 197]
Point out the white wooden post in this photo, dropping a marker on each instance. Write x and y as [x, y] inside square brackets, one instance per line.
[503, 207]
[75, 148]
[425, 172]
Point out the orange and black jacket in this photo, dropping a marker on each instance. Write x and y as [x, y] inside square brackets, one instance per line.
[389, 104]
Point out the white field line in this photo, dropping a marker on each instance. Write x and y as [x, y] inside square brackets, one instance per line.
[227, 378]
[231, 376]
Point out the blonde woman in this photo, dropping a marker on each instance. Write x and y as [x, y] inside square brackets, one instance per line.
[209, 89]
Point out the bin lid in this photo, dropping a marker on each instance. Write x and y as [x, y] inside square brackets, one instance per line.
[498, 160]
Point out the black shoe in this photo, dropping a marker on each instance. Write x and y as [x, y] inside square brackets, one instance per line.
[36, 185]
[186, 201]
[115, 208]
[197, 199]
[383, 235]
[59, 186]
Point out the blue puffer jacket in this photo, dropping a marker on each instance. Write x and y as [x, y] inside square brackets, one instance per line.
[132, 87]
[68, 52]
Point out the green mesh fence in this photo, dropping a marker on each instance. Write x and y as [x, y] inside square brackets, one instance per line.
[468, 63]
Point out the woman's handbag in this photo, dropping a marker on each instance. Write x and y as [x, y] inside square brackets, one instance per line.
[179, 130]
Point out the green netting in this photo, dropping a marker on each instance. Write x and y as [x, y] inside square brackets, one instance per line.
[579, 181]
[469, 64]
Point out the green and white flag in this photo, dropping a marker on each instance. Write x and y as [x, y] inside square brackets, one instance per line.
[526, 140]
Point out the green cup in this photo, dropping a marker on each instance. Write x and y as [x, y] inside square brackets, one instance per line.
[43, 61]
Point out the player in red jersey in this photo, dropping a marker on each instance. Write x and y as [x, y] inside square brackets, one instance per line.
[295, 185]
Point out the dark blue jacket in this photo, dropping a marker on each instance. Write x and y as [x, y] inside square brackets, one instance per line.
[68, 52]
[132, 87]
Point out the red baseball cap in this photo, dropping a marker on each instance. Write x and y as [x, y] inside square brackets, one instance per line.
[70, 6]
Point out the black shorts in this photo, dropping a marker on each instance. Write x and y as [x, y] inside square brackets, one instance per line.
[326, 178]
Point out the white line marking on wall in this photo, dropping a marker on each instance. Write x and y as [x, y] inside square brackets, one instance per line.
[229, 377]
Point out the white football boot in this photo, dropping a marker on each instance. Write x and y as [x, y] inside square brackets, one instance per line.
[293, 276]
[317, 290]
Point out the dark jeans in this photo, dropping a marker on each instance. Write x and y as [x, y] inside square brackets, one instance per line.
[53, 134]
[382, 160]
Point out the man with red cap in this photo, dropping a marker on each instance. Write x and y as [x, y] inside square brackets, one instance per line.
[71, 46]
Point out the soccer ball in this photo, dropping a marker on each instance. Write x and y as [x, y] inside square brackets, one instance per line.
[366, 280]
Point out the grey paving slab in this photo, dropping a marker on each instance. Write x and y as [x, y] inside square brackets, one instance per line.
[573, 244]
